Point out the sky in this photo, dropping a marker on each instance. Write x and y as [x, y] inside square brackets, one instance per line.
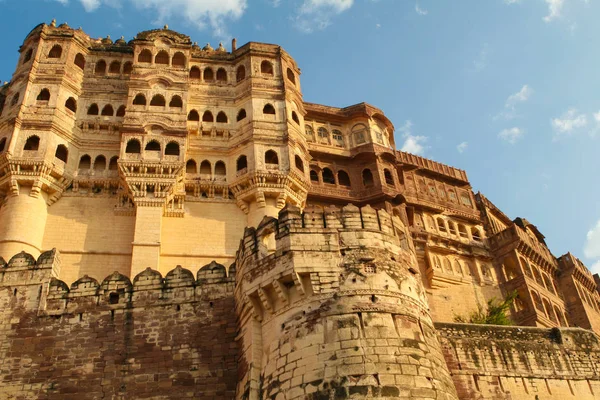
[507, 90]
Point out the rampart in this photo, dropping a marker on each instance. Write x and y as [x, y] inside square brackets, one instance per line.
[514, 363]
[155, 337]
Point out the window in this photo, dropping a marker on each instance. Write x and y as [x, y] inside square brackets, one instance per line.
[133, 147]
[15, 100]
[338, 138]
[241, 115]
[451, 228]
[100, 163]
[139, 100]
[309, 131]
[32, 143]
[432, 190]
[441, 225]
[108, 110]
[44, 95]
[152, 145]
[271, 157]
[205, 168]
[367, 177]
[222, 117]
[299, 163]
[240, 73]
[113, 165]
[221, 75]
[207, 117]
[93, 109]
[121, 111]
[452, 195]
[266, 68]
[537, 301]
[178, 59]
[475, 234]
[85, 162]
[314, 176]
[176, 102]
[389, 179]
[343, 178]
[162, 57]
[295, 117]
[195, 73]
[323, 135]
[127, 68]
[191, 167]
[359, 137]
[462, 231]
[172, 149]
[145, 57]
[55, 52]
[158, 101]
[2, 144]
[269, 109]
[115, 67]
[62, 153]
[193, 116]
[100, 68]
[328, 176]
[80, 61]
[208, 74]
[71, 104]
[291, 77]
[241, 163]
[358, 131]
[28, 56]
[465, 199]
[220, 169]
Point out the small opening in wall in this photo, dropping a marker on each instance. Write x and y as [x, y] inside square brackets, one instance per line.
[113, 298]
[80, 317]
[112, 314]
[412, 271]
[210, 304]
[476, 381]
[373, 298]
[15, 292]
[178, 308]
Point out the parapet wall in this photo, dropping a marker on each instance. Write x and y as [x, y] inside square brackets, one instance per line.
[155, 337]
[508, 362]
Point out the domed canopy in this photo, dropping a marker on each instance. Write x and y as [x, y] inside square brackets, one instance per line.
[164, 33]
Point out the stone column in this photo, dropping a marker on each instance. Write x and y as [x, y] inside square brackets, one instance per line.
[146, 240]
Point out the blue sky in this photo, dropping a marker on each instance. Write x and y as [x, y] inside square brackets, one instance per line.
[506, 89]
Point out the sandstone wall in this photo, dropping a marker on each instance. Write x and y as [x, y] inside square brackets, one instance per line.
[514, 363]
[158, 338]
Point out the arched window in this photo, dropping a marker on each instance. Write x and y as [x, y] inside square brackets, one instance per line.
[222, 75]
[62, 153]
[85, 162]
[108, 110]
[172, 149]
[475, 234]
[44, 95]
[93, 109]
[55, 52]
[195, 73]
[205, 168]
[121, 111]
[222, 117]
[462, 231]
[100, 68]
[100, 163]
[209, 75]
[127, 68]
[441, 225]
[241, 163]
[241, 114]
[314, 176]
[323, 135]
[389, 179]
[295, 117]
[139, 100]
[367, 177]
[266, 68]
[178, 60]
[2, 144]
[458, 268]
[271, 157]
[162, 57]
[559, 315]
[176, 102]
[32, 143]
[240, 73]
[328, 176]
[525, 267]
[115, 67]
[28, 56]
[207, 117]
[220, 169]
[133, 147]
[113, 165]
[338, 138]
[343, 178]
[152, 145]
[291, 77]
[299, 163]
[71, 104]
[193, 116]
[80, 61]
[309, 131]
[191, 167]
[158, 101]
[269, 109]
[145, 56]
[537, 301]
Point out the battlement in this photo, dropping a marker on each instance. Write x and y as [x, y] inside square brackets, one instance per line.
[432, 166]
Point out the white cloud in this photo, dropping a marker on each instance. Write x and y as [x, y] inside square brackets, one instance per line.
[512, 1]
[90, 5]
[511, 135]
[316, 14]
[482, 58]
[568, 123]
[420, 11]
[462, 147]
[414, 144]
[554, 9]
[511, 102]
[591, 249]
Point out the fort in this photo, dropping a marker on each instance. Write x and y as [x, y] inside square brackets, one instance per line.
[176, 222]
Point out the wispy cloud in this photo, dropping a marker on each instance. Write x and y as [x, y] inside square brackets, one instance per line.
[316, 15]
[554, 9]
[481, 61]
[510, 105]
[420, 11]
[414, 144]
[568, 123]
[462, 147]
[511, 135]
[591, 248]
